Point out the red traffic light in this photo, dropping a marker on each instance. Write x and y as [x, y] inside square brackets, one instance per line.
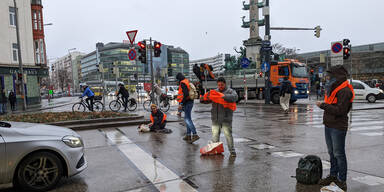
[141, 44]
[157, 45]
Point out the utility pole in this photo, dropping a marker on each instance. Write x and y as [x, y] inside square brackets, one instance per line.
[98, 45]
[23, 96]
[268, 53]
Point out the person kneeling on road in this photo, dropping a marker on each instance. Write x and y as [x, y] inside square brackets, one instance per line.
[158, 120]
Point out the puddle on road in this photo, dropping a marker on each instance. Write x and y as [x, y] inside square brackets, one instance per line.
[370, 180]
[262, 146]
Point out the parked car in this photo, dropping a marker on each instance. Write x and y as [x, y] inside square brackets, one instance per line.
[112, 93]
[36, 156]
[172, 91]
[365, 92]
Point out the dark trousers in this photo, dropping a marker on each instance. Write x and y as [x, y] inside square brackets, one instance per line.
[90, 106]
[335, 140]
[13, 105]
[125, 102]
[158, 126]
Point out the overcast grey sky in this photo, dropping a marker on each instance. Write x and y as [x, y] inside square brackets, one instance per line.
[206, 27]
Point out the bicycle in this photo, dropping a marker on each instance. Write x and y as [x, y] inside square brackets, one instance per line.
[116, 104]
[163, 106]
[82, 105]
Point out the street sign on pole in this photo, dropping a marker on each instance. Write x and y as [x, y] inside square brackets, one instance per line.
[131, 36]
[244, 62]
[336, 53]
[265, 66]
[132, 54]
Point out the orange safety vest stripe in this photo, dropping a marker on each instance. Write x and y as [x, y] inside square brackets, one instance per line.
[180, 94]
[162, 121]
[332, 99]
[217, 97]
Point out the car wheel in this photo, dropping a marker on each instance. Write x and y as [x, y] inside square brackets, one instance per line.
[371, 98]
[39, 172]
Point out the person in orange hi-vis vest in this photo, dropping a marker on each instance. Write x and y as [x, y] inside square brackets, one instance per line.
[337, 103]
[223, 101]
[186, 103]
[158, 119]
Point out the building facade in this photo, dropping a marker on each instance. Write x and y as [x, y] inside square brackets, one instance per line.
[31, 44]
[65, 72]
[366, 62]
[217, 62]
[178, 62]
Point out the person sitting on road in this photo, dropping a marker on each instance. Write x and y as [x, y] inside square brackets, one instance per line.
[124, 95]
[158, 120]
[90, 96]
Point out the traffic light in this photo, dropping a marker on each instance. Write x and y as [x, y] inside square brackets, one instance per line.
[99, 68]
[156, 48]
[346, 48]
[142, 51]
[317, 31]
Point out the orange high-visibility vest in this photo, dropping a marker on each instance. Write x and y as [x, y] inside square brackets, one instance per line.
[332, 99]
[217, 97]
[180, 94]
[162, 121]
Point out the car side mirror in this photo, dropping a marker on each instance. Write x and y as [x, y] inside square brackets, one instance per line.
[4, 124]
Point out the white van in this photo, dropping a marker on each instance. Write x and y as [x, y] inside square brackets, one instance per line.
[365, 92]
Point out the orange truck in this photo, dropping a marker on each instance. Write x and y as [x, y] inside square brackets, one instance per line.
[295, 71]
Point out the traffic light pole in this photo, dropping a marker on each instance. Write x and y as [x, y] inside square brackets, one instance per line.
[152, 77]
[23, 96]
[268, 55]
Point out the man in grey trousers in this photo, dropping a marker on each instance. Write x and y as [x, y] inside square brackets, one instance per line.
[222, 113]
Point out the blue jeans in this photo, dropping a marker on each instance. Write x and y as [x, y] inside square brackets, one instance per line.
[335, 140]
[188, 119]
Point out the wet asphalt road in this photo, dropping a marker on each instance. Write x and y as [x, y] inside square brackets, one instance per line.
[121, 159]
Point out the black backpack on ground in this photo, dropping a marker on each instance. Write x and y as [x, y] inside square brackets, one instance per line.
[309, 170]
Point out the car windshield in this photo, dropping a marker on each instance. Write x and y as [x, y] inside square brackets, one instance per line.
[299, 70]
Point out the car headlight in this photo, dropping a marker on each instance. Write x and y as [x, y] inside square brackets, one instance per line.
[307, 91]
[296, 92]
[381, 91]
[73, 141]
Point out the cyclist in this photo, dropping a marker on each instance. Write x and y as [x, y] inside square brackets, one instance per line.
[90, 96]
[124, 95]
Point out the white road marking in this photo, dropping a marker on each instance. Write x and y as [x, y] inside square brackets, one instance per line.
[326, 164]
[367, 128]
[163, 178]
[287, 154]
[370, 180]
[262, 146]
[373, 134]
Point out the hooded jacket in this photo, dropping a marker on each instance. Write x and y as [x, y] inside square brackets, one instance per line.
[336, 115]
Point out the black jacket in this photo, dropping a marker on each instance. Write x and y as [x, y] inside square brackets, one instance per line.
[336, 115]
[3, 98]
[123, 91]
[12, 97]
[184, 87]
[286, 87]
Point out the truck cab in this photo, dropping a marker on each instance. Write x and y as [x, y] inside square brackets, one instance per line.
[297, 75]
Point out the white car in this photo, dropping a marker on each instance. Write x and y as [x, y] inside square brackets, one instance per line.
[365, 92]
[112, 93]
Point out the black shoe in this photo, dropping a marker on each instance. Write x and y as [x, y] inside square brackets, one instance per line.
[194, 138]
[328, 180]
[342, 185]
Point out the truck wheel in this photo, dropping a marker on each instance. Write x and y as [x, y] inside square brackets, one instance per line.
[371, 98]
[275, 97]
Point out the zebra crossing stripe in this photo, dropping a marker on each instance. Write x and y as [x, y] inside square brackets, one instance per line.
[162, 177]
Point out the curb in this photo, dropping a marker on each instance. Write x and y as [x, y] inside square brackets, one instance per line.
[100, 120]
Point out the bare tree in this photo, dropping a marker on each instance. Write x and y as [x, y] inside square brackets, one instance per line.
[63, 78]
[281, 50]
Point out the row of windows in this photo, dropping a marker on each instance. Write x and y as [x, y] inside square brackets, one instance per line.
[12, 16]
[39, 51]
[37, 20]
